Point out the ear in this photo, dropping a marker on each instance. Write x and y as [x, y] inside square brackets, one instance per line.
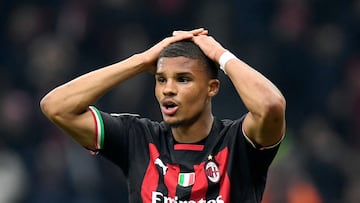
[214, 85]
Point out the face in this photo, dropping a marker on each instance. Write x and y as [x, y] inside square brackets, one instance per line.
[183, 90]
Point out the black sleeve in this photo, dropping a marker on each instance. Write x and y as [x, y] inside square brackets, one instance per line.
[259, 161]
[260, 157]
[119, 129]
[251, 163]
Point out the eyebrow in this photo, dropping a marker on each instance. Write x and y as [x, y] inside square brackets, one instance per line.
[177, 74]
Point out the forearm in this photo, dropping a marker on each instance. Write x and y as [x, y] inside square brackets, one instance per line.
[265, 122]
[258, 94]
[74, 97]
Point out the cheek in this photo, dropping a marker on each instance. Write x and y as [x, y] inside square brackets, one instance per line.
[157, 93]
[195, 98]
[157, 90]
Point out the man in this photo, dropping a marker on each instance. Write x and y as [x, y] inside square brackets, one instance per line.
[191, 156]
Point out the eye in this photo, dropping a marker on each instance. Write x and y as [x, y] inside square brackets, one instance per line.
[184, 79]
[160, 80]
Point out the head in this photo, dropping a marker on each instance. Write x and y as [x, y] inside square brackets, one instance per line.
[186, 80]
[189, 49]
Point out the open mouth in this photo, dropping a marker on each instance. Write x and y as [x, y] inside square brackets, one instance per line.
[169, 107]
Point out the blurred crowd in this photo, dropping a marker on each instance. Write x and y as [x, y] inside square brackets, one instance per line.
[309, 48]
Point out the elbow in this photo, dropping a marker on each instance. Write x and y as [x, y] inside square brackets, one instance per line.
[49, 107]
[57, 107]
[278, 107]
[275, 107]
[45, 106]
[279, 103]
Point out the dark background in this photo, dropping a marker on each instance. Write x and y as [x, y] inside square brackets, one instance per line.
[308, 48]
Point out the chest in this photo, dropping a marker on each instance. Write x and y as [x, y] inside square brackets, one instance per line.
[186, 172]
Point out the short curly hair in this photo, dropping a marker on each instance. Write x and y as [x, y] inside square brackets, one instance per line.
[189, 49]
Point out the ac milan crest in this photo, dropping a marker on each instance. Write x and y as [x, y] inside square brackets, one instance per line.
[212, 171]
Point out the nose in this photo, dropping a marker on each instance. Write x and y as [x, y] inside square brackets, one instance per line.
[170, 88]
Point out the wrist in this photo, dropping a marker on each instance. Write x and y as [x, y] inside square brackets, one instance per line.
[143, 63]
[224, 58]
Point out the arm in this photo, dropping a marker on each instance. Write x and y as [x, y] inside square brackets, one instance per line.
[265, 122]
[67, 105]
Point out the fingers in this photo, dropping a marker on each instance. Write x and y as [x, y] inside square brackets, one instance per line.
[209, 46]
[182, 35]
[152, 53]
[200, 36]
[199, 31]
[195, 32]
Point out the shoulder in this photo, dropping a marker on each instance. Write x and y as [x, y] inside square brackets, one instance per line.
[233, 129]
[129, 118]
[136, 121]
[229, 123]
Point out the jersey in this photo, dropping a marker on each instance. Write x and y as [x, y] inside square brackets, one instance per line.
[224, 167]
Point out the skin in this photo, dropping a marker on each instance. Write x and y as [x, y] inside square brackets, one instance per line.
[67, 105]
[184, 81]
[265, 122]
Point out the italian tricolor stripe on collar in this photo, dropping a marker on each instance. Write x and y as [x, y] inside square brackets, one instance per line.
[99, 127]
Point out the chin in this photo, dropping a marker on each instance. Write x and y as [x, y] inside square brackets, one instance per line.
[173, 123]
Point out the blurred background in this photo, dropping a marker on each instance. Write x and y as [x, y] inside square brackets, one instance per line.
[309, 48]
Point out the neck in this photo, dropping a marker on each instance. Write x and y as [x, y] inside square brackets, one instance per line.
[193, 133]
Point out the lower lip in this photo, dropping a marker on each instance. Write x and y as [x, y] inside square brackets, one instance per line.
[169, 111]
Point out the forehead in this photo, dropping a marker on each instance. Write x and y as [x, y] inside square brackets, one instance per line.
[179, 64]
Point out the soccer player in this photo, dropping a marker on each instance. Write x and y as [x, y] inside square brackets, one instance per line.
[191, 156]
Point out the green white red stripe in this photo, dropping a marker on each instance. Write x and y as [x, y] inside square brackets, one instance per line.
[99, 127]
[186, 179]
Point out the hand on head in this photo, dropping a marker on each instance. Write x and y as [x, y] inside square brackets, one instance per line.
[192, 33]
[207, 44]
[150, 56]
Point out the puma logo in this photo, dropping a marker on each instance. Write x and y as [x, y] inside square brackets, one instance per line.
[161, 164]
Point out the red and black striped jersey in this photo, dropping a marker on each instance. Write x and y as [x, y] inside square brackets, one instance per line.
[224, 167]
